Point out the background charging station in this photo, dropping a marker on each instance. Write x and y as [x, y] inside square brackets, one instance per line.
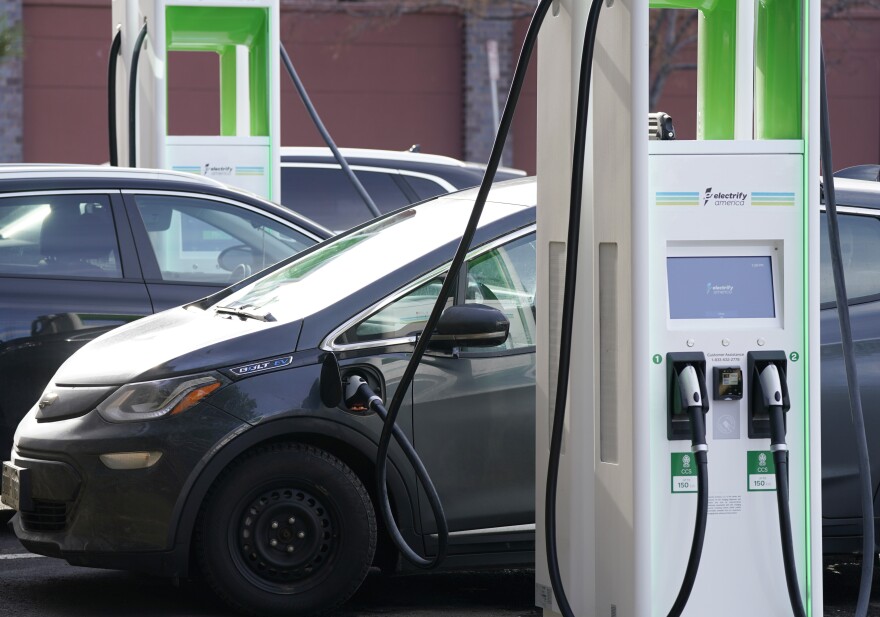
[245, 36]
[704, 250]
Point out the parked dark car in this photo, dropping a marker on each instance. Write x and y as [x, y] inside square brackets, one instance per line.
[85, 249]
[200, 433]
[313, 184]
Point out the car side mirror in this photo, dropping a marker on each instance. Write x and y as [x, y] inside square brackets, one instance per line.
[470, 325]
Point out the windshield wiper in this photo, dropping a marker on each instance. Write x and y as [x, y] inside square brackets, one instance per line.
[241, 311]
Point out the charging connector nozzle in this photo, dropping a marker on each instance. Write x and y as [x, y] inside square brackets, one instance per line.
[357, 394]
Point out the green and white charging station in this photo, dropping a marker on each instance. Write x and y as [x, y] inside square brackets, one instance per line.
[689, 249]
[245, 36]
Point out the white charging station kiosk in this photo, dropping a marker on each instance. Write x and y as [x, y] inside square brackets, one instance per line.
[689, 249]
[245, 36]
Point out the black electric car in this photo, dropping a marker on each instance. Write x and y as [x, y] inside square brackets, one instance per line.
[84, 249]
[198, 435]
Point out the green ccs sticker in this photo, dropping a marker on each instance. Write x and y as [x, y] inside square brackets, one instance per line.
[761, 470]
[657, 359]
[794, 356]
[684, 472]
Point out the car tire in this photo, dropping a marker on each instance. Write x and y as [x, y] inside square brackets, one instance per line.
[287, 529]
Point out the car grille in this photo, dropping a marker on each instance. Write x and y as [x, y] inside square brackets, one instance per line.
[46, 516]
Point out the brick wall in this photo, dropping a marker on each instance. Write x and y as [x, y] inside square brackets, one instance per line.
[479, 128]
[10, 91]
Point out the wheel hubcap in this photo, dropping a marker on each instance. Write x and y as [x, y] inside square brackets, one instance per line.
[286, 535]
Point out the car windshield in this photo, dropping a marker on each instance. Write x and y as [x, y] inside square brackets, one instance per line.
[343, 266]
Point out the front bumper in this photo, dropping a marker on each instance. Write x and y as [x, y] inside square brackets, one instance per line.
[82, 511]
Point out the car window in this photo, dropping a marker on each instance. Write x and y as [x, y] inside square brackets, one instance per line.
[423, 187]
[58, 235]
[404, 317]
[327, 196]
[860, 249]
[205, 241]
[504, 278]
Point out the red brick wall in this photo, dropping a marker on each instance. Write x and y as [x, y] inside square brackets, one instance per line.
[385, 87]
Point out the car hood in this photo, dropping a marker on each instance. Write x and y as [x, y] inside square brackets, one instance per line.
[175, 342]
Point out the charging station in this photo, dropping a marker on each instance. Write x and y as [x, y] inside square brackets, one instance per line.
[245, 36]
[698, 259]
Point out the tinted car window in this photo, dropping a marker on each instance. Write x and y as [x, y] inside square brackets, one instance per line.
[860, 249]
[58, 235]
[423, 187]
[504, 278]
[204, 241]
[404, 317]
[326, 195]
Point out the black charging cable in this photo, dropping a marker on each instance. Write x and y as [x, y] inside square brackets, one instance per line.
[132, 97]
[774, 399]
[359, 394]
[568, 306]
[325, 134]
[111, 97]
[849, 356]
[691, 395]
[421, 345]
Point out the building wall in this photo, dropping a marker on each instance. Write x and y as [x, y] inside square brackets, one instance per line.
[418, 78]
[379, 85]
[11, 100]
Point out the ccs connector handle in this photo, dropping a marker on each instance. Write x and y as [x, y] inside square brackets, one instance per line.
[687, 405]
[687, 394]
[768, 406]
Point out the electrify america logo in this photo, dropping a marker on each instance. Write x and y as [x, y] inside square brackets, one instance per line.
[724, 199]
[217, 170]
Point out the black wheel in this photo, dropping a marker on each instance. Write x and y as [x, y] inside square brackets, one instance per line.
[289, 529]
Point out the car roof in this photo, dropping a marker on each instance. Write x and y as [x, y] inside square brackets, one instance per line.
[18, 177]
[38, 171]
[859, 193]
[398, 157]
[518, 192]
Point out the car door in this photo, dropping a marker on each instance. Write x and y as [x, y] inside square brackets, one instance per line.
[860, 248]
[474, 409]
[68, 273]
[191, 245]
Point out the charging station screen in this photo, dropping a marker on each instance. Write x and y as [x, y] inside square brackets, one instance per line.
[720, 287]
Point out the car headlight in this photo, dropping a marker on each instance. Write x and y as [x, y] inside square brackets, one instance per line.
[148, 400]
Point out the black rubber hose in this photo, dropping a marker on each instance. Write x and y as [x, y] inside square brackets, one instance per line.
[849, 356]
[132, 98]
[519, 75]
[693, 564]
[780, 458]
[421, 473]
[568, 304]
[325, 134]
[111, 97]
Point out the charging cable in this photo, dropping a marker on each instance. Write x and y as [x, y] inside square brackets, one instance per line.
[849, 357]
[325, 134]
[690, 394]
[467, 237]
[358, 394]
[771, 391]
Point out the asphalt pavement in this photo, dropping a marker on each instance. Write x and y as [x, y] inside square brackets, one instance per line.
[32, 586]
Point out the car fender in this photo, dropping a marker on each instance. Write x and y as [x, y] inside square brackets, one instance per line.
[186, 510]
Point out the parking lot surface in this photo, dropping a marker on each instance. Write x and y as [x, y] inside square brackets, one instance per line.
[32, 586]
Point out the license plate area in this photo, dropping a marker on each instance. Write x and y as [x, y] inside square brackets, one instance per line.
[16, 487]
